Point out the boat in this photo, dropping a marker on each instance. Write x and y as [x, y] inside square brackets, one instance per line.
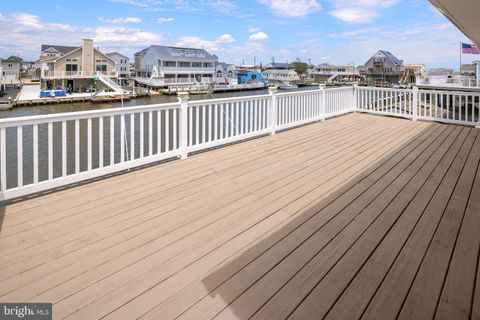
[109, 98]
[287, 86]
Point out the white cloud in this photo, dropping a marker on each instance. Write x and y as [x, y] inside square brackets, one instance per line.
[354, 15]
[293, 8]
[225, 38]
[253, 30]
[221, 43]
[221, 6]
[258, 36]
[197, 42]
[115, 34]
[359, 11]
[121, 20]
[24, 33]
[165, 20]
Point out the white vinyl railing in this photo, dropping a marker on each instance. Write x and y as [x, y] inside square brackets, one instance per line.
[456, 107]
[43, 152]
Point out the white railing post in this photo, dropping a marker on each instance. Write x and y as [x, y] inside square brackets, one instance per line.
[324, 101]
[183, 124]
[273, 109]
[355, 97]
[415, 105]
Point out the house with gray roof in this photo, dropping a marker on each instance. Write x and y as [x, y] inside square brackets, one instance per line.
[171, 65]
[83, 68]
[225, 73]
[11, 67]
[383, 67]
[122, 65]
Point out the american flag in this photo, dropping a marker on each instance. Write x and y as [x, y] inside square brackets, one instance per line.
[468, 48]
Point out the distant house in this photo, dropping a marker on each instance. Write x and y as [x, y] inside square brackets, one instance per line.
[122, 65]
[171, 65]
[383, 67]
[81, 68]
[327, 72]
[11, 68]
[280, 72]
[225, 73]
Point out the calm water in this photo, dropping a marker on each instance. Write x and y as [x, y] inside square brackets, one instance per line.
[27, 139]
[69, 107]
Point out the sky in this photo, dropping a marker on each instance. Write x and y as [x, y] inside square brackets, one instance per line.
[238, 31]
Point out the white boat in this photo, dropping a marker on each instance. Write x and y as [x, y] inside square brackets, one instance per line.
[287, 86]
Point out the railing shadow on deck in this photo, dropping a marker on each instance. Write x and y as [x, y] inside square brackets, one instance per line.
[253, 267]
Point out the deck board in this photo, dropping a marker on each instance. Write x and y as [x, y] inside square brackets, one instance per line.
[359, 216]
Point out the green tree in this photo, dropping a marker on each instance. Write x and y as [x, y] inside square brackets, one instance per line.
[299, 67]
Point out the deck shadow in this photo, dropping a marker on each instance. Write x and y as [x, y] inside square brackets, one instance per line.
[252, 269]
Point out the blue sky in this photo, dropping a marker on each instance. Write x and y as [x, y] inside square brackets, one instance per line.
[334, 31]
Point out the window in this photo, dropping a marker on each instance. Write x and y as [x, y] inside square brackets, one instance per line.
[10, 65]
[71, 67]
[184, 64]
[170, 63]
[196, 64]
[207, 65]
[101, 67]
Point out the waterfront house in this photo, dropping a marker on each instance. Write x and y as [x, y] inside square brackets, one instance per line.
[122, 66]
[383, 67]
[163, 65]
[225, 73]
[279, 72]
[11, 67]
[81, 68]
[326, 72]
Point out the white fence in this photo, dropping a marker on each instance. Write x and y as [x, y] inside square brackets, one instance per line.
[43, 152]
[456, 107]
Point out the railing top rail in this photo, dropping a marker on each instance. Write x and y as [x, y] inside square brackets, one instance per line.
[340, 88]
[67, 116]
[224, 100]
[385, 89]
[294, 93]
[450, 92]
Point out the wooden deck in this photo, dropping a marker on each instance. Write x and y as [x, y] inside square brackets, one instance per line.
[357, 217]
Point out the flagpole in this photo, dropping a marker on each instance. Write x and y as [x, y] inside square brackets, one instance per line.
[460, 58]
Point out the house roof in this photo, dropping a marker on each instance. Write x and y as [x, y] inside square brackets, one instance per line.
[223, 64]
[390, 57]
[13, 59]
[278, 65]
[117, 53]
[165, 51]
[60, 49]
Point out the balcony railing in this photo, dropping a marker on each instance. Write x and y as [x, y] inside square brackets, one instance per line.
[186, 70]
[74, 74]
[42, 152]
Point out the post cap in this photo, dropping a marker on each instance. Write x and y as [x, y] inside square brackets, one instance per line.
[182, 95]
[272, 89]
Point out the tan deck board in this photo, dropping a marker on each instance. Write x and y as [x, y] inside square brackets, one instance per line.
[347, 218]
[456, 299]
[364, 284]
[314, 258]
[104, 227]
